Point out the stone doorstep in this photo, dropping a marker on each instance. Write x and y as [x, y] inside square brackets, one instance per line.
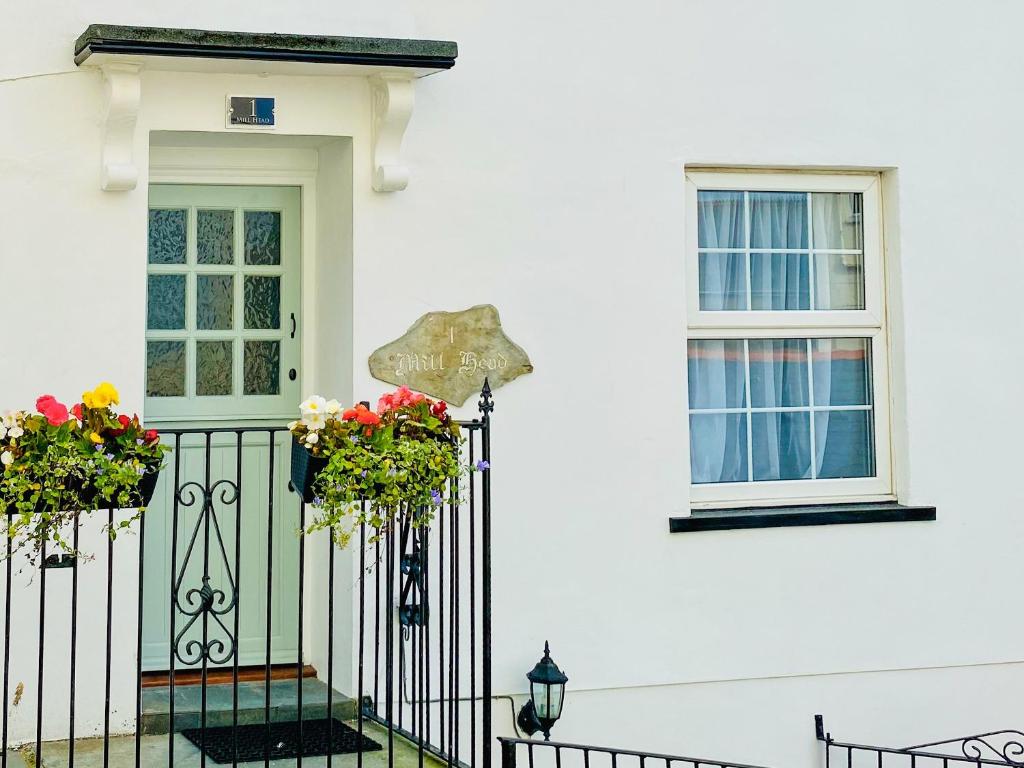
[284, 704]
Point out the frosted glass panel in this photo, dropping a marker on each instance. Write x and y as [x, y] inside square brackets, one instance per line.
[214, 367]
[262, 237]
[262, 302]
[167, 243]
[165, 302]
[215, 299]
[165, 369]
[262, 367]
[215, 237]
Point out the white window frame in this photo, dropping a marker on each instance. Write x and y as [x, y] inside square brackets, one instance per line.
[869, 322]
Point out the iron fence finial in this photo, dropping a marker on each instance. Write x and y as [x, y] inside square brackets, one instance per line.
[486, 401]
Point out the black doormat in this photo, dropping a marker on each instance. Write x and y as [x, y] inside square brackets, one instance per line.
[219, 743]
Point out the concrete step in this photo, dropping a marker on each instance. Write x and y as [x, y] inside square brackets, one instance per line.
[284, 704]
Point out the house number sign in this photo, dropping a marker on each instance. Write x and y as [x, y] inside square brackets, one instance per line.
[449, 354]
[251, 112]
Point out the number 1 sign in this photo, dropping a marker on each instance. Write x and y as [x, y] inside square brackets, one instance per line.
[251, 112]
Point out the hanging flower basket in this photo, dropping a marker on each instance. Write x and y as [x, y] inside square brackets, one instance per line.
[359, 466]
[57, 462]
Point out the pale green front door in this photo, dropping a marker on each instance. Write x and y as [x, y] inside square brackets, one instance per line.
[222, 352]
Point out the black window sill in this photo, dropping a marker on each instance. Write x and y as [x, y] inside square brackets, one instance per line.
[785, 517]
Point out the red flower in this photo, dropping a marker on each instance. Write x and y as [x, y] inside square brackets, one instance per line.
[439, 409]
[151, 436]
[56, 413]
[349, 414]
[366, 417]
[125, 422]
[76, 411]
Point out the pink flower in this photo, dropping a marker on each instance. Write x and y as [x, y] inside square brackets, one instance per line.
[56, 413]
[76, 411]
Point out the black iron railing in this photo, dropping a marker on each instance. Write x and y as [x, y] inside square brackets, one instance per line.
[423, 634]
[527, 753]
[1005, 748]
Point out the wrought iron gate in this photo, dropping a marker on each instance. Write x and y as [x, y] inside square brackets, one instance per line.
[421, 609]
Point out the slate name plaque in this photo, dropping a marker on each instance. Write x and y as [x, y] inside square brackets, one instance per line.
[251, 112]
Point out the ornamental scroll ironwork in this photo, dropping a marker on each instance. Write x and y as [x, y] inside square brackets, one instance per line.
[205, 601]
[1006, 746]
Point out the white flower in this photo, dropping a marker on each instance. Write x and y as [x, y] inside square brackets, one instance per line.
[312, 438]
[314, 421]
[333, 407]
[3, 431]
[6, 458]
[292, 425]
[15, 432]
[313, 404]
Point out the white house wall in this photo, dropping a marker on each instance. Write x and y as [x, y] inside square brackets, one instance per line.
[547, 179]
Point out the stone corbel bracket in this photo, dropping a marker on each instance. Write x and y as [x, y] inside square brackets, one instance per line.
[392, 108]
[123, 93]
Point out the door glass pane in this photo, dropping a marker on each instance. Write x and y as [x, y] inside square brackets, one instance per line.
[167, 228]
[165, 369]
[781, 445]
[844, 443]
[215, 237]
[778, 373]
[780, 281]
[718, 447]
[723, 281]
[214, 366]
[215, 299]
[262, 237]
[262, 368]
[778, 220]
[716, 374]
[165, 302]
[262, 302]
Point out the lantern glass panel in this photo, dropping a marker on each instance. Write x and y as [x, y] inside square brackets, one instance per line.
[547, 699]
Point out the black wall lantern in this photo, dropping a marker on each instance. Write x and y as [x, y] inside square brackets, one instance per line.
[547, 693]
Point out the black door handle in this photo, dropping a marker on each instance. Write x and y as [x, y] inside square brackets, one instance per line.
[293, 325]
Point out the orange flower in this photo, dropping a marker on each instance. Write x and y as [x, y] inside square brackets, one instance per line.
[349, 414]
[366, 417]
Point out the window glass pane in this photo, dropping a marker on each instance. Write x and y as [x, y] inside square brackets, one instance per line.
[838, 221]
[165, 302]
[778, 373]
[844, 443]
[842, 371]
[723, 281]
[716, 373]
[781, 445]
[262, 237]
[839, 281]
[167, 238]
[778, 220]
[718, 447]
[780, 281]
[165, 369]
[720, 220]
[215, 299]
[214, 367]
[215, 237]
[262, 302]
[262, 367]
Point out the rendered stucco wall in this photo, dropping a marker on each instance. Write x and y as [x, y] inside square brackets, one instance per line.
[547, 179]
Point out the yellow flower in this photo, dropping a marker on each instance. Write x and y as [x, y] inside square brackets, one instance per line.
[101, 397]
[94, 436]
